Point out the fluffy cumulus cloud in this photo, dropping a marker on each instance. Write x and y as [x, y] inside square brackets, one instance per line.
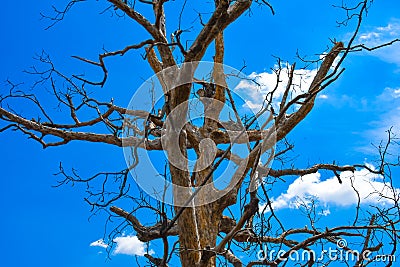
[331, 192]
[130, 245]
[258, 85]
[99, 243]
[127, 245]
[380, 35]
[265, 82]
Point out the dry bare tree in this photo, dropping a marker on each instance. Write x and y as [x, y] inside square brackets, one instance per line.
[199, 226]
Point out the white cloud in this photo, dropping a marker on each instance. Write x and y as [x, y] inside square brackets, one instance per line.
[325, 212]
[391, 30]
[323, 96]
[381, 35]
[389, 94]
[99, 243]
[331, 192]
[130, 245]
[255, 95]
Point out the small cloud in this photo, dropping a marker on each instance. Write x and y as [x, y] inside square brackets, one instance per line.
[325, 212]
[323, 96]
[369, 36]
[99, 243]
[130, 245]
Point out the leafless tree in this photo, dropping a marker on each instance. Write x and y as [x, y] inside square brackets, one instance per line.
[205, 233]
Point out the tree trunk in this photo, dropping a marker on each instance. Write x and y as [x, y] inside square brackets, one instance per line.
[188, 233]
[208, 218]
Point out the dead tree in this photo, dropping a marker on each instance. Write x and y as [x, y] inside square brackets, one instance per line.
[205, 234]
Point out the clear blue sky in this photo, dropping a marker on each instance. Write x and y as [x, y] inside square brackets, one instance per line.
[43, 226]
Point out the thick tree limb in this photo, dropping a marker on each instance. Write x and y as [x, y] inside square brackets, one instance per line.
[67, 136]
[220, 19]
